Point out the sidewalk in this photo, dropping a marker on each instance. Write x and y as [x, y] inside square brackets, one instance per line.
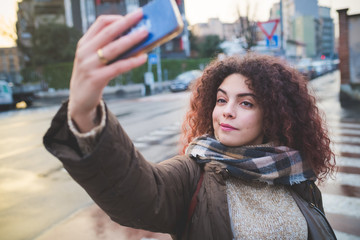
[91, 223]
[121, 90]
[56, 97]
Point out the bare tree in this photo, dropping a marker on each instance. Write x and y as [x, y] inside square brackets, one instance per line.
[7, 29]
[247, 27]
[25, 28]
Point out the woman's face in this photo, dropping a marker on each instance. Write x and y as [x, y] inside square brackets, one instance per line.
[237, 117]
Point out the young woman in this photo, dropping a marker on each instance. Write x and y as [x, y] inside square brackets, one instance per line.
[254, 143]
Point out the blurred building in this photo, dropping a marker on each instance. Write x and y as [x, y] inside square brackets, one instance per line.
[305, 25]
[82, 13]
[327, 38]
[304, 30]
[33, 13]
[10, 64]
[213, 27]
[349, 55]
[79, 14]
[225, 31]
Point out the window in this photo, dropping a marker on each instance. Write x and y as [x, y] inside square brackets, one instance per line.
[5, 89]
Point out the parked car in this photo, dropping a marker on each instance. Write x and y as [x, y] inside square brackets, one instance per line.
[183, 81]
[305, 66]
[6, 95]
[11, 94]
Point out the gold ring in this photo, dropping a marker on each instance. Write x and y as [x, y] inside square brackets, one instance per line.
[101, 56]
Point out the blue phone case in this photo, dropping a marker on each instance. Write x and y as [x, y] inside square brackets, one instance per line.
[163, 21]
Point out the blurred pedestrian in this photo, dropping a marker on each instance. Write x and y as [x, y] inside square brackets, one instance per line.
[254, 144]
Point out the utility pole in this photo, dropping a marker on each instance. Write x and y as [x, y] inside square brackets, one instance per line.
[281, 29]
[158, 67]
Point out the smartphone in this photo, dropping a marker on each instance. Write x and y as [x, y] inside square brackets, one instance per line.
[163, 21]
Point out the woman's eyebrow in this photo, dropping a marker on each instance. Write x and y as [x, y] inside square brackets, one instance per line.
[238, 95]
[246, 94]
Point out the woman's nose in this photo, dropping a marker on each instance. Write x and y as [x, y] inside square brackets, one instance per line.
[229, 111]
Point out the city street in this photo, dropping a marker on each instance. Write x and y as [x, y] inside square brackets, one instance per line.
[38, 199]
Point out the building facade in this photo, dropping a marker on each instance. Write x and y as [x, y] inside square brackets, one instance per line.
[225, 31]
[304, 31]
[349, 55]
[326, 33]
[10, 65]
[32, 13]
[82, 13]
[306, 25]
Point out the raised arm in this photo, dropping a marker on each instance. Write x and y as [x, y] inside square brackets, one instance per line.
[132, 191]
[91, 73]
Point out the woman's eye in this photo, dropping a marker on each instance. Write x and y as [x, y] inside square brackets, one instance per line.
[247, 104]
[220, 100]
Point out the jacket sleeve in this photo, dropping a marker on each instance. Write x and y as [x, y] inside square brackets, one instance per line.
[132, 191]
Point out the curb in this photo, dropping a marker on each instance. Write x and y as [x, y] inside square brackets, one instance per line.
[123, 90]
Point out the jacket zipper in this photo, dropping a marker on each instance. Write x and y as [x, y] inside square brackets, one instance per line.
[312, 205]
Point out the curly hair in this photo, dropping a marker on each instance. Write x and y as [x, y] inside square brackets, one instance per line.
[291, 116]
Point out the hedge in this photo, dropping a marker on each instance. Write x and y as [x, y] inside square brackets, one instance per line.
[58, 76]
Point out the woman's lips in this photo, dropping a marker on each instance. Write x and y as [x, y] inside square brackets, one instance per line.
[227, 127]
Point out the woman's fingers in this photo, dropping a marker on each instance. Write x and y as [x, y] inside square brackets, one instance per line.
[91, 73]
[121, 45]
[101, 22]
[87, 50]
[121, 66]
[113, 30]
[85, 95]
[98, 59]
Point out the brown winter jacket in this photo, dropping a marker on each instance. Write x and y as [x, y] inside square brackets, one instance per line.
[156, 197]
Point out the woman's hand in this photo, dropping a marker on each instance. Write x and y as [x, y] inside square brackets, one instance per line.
[91, 74]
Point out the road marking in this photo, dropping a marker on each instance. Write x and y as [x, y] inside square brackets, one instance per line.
[343, 205]
[342, 131]
[345, 236]
[339, 147]
[348, 162]
[157, 136]
[337, 124]
[20, 150]
[162, 132]
[147, 138]
[345, 139]
[140, 144]
[345, 179]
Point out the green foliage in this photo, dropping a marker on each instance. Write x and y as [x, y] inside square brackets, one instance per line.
[205, 47]
[54, 43]
[50, 43]
[193, 42]
[209, 47]
[24, 48]
[58, 75]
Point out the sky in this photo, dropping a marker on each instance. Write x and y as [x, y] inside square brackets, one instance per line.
[199, 11]
[226, 9]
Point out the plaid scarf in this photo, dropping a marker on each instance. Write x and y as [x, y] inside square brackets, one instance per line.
[265, 163]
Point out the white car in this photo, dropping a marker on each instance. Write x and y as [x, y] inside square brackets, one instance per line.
[183, 81]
